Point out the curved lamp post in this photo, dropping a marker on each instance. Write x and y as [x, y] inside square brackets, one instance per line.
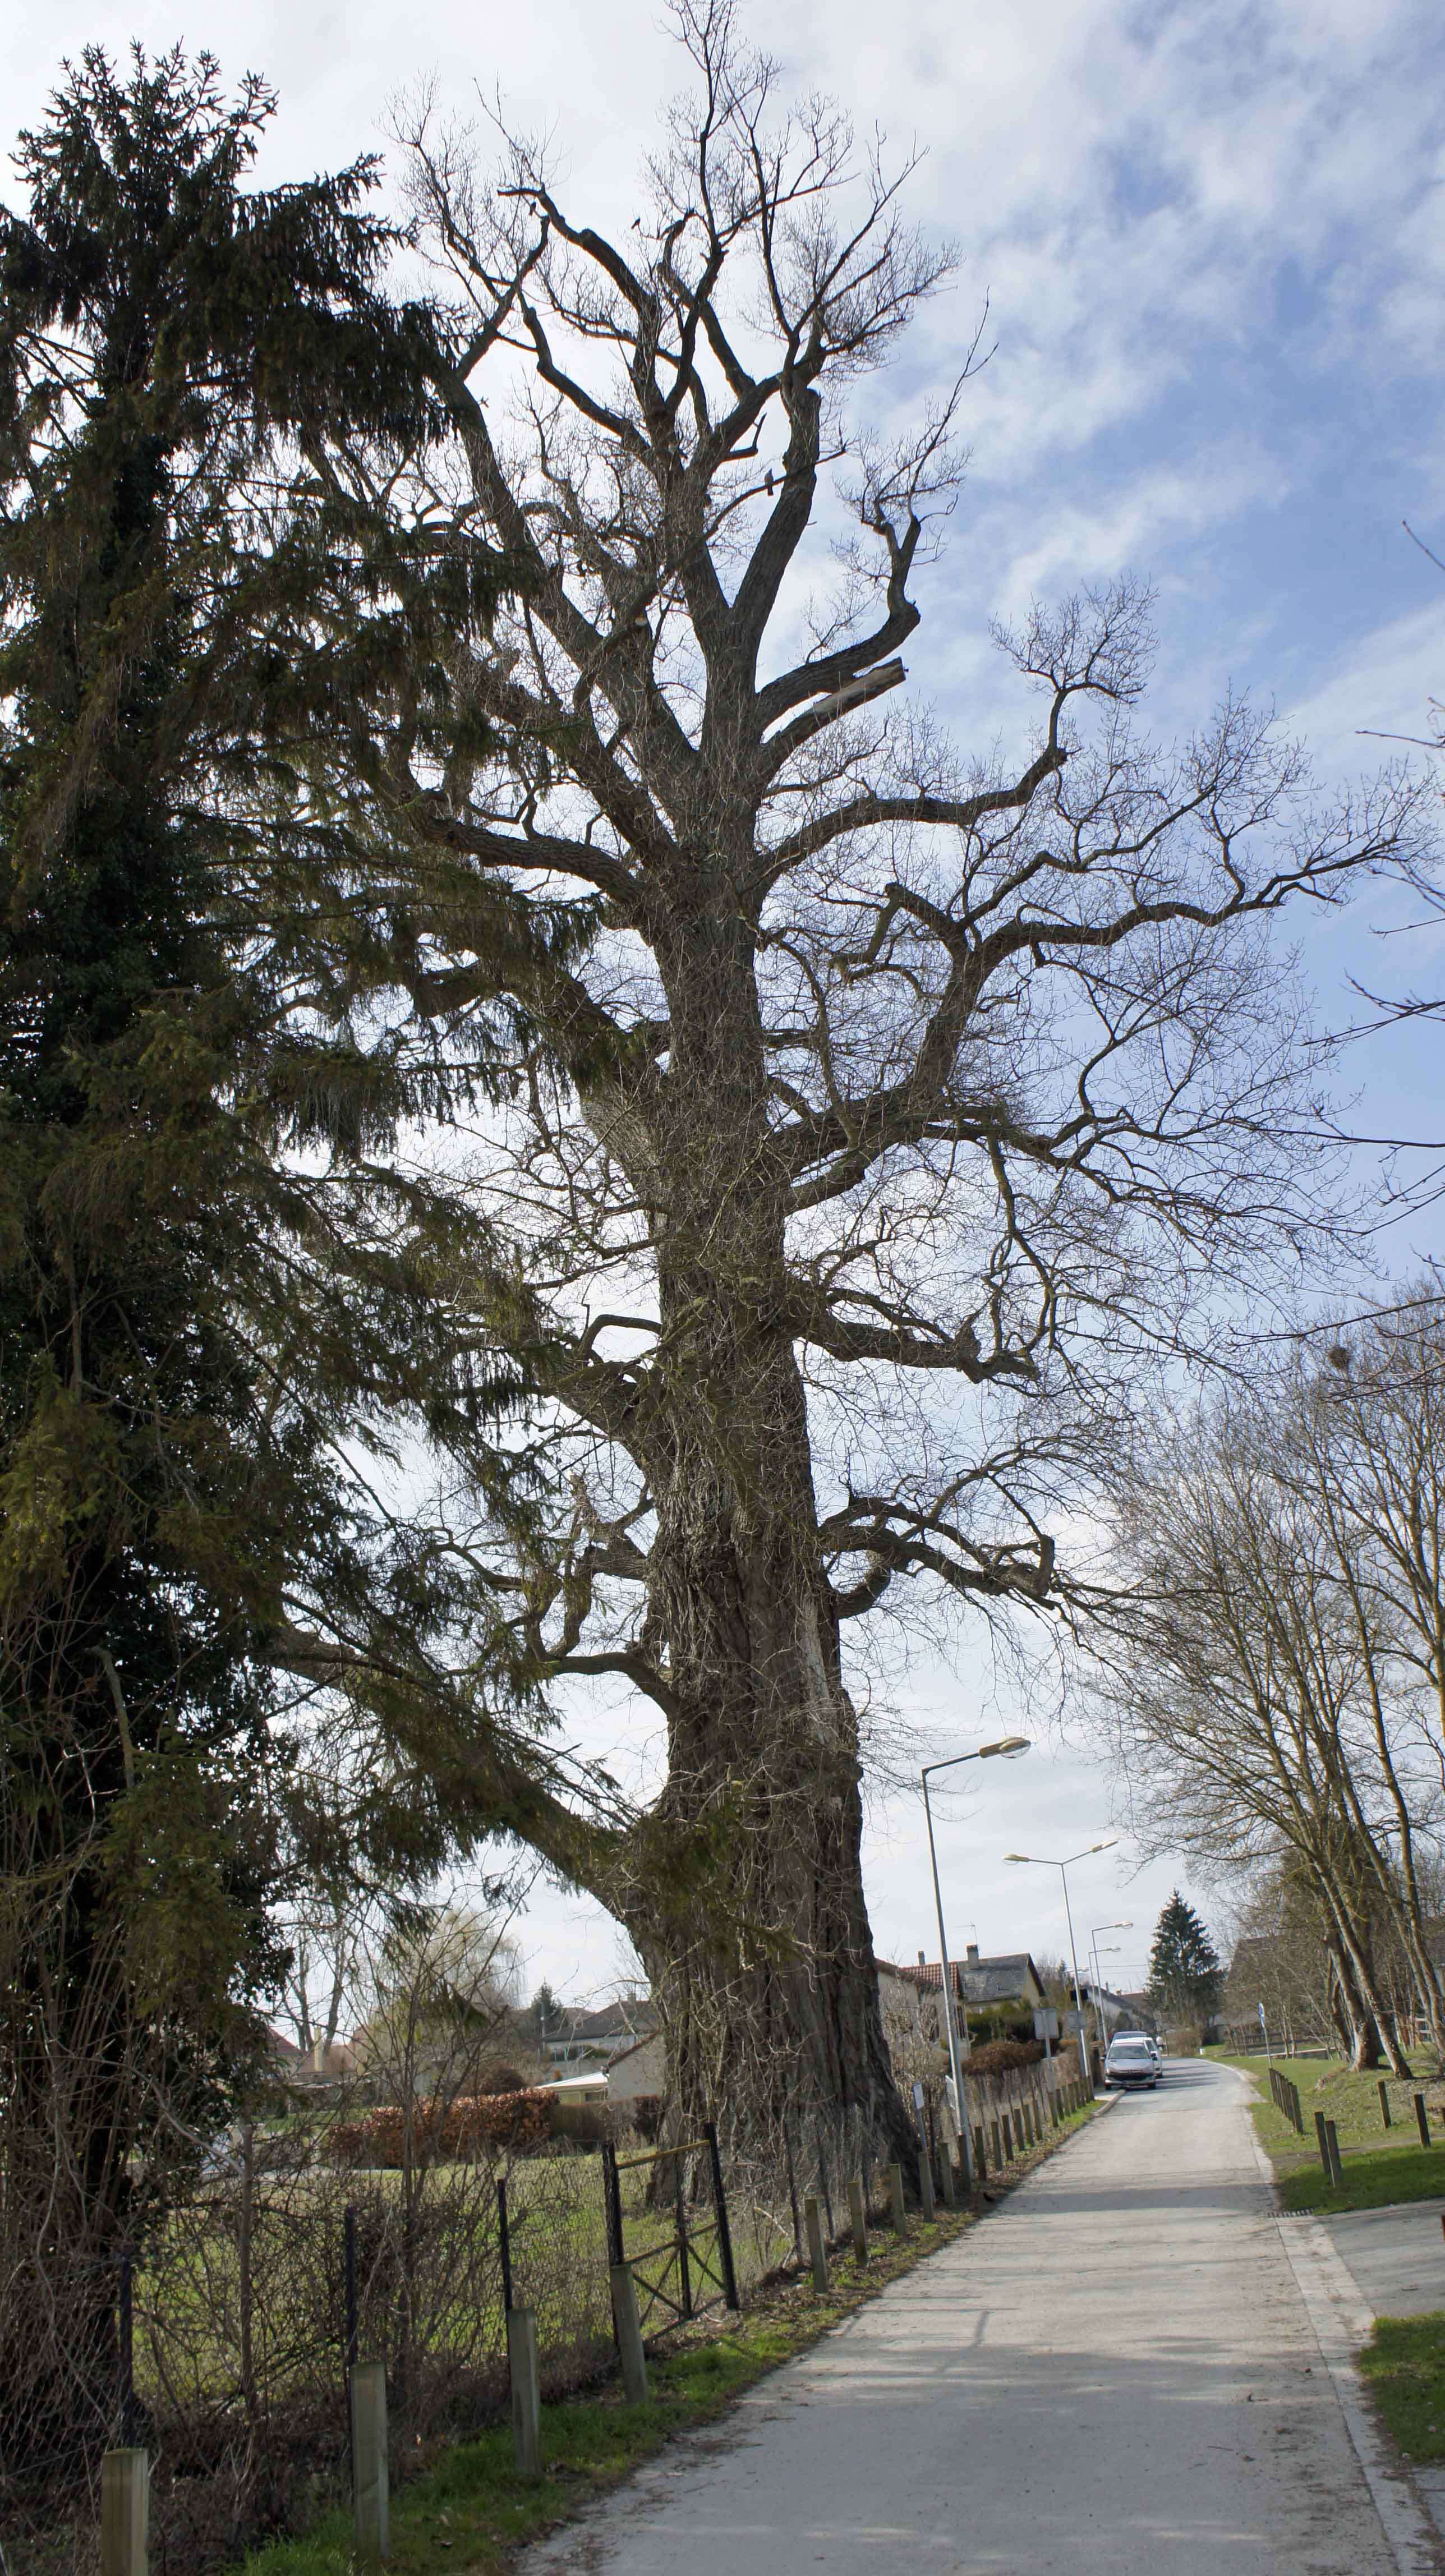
[983, 1753]
[1031, 1860]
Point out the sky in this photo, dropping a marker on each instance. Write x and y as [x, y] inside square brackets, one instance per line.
[1211, 243]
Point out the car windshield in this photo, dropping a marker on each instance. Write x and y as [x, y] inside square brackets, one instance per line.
[1130, 2048]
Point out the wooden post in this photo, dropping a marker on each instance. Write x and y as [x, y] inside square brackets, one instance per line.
[999, 2158]
[1323, 2143]
[125, 2506]
[1008, 2136]
[1384, 2104]
[629, 2334]
[1422, 2120]
[895, 2194]
[526, 2390]
[817, 2251]
[858, 2218]
[1337, 2171]
[925, 2183]
[980, 2159]
[370, 2489]
[946, 2183]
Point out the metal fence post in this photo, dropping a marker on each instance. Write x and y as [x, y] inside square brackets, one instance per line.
[629, 2334]
[792, 2193]
[504, 2241]
[125, 2351]
[684, 2275]
[348, 2240]
[612, 2201]
[724, 2231]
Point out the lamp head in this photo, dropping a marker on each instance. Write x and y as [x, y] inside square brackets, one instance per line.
[1005, 1744]
[1016, 1856]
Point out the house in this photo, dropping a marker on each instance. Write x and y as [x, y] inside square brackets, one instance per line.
[1008, 1986]
[325, 2062]
[585, 2038]
[638, 2073]
[1119, 2012]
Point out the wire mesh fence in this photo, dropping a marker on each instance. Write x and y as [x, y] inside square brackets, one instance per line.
[221, 2343]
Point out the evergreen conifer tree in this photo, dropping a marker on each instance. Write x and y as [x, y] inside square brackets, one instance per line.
[1185, 1976]
[209, 1283]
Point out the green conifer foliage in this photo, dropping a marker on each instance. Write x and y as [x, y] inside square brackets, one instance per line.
[212, 1278]
[1185, 1976]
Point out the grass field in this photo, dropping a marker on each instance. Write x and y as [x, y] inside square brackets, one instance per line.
[1381, 2165]
[1403, 2366]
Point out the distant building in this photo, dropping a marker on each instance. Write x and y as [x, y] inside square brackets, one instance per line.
[322, 2063]
[1008, 1985]
[594, 2038]
[638, 2073]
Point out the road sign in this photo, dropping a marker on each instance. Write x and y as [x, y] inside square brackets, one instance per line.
[917, 2095]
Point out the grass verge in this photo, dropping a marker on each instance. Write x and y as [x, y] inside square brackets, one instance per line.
[1381, 2164]
[1371, 2181]
[1403, 2366]
[472, 2510]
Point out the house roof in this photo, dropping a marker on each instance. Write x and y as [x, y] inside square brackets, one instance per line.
[980, 1981]
[632, 2017]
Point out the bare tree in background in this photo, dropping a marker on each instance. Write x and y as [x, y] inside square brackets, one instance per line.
[1257, 1693]
[903, 1099]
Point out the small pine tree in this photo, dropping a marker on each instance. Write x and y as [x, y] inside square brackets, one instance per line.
[546, 2011]
[1185, 1976]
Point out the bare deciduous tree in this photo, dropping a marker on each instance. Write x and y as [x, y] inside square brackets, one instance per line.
[1274, 1698]
[900, 1102]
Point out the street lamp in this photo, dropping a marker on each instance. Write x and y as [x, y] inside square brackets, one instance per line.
[1111, 1952]
[982, 1753]
[1031, 1860]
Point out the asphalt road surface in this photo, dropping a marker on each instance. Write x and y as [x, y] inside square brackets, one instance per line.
[1127, 2368]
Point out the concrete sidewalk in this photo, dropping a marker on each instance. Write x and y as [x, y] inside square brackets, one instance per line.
[1116, 2372]
[1396, 2257]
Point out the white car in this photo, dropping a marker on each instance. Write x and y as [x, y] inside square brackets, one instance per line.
[1131, 2061]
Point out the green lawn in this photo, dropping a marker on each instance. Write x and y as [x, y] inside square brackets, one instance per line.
[1352, 2101]
[1381, 2165]
[1403, 2365]
[1371, 2181]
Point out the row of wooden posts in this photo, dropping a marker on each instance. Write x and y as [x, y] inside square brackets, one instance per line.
[125, 2474]
[1287, 2100]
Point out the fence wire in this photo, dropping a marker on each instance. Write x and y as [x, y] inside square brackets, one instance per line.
[220, 2344]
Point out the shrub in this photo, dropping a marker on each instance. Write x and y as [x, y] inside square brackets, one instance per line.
[456, 2132]
[1003, 2056]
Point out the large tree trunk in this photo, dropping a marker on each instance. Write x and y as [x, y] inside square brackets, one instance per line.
[751, 1917]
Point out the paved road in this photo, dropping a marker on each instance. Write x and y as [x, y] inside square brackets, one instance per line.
[1117, 2372]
